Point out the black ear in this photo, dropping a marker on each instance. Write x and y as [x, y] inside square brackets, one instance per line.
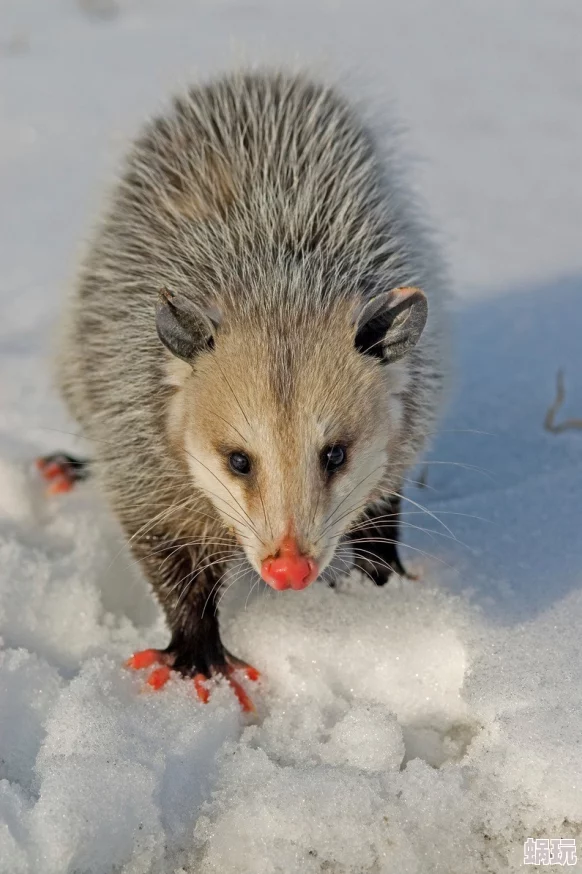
[391, 323]
[182, 327]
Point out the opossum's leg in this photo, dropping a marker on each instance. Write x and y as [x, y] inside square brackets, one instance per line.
[375, 542]
[62, 471]
[187, 588]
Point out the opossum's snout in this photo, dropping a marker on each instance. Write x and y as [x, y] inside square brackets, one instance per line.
[289, 569]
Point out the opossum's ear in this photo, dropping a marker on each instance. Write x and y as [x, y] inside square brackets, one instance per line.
[391, 323]
[184, 328]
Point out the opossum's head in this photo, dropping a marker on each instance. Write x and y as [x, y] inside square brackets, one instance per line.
[291, 424]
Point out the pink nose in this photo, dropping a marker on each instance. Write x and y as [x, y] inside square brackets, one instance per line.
[290, 570]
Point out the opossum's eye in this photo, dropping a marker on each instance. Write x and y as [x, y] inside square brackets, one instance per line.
[239, 463]
[333, 457]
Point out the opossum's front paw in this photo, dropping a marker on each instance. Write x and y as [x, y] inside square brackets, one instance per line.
[168, 661]
[62, 471]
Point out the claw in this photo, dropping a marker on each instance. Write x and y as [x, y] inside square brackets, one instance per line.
[59, 485]
[243, 699]
[158, 678]
[49, 469]
[144, 659]
[201, 690]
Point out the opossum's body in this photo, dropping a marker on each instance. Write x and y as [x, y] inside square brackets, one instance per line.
[263, 210]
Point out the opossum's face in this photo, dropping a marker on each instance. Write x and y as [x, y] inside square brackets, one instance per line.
[291, 432]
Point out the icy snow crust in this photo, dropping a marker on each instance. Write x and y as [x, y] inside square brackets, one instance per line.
[427, 727]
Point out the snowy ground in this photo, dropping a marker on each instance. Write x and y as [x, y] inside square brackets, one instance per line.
[428, 727]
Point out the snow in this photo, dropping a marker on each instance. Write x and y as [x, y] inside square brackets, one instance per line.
[430, 726]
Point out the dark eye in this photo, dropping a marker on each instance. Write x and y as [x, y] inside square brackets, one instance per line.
[239, 463]
[333, 457]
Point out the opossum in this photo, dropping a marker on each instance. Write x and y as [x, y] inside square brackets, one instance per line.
[255, 346]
